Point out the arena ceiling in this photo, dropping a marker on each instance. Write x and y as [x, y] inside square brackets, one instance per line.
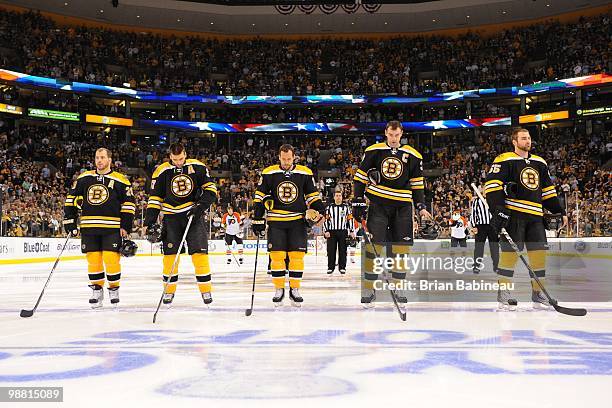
[392, 17]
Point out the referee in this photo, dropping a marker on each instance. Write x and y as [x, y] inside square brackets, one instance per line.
[479, 220]
[336, 227]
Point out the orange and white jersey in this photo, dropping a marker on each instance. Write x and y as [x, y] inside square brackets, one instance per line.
[458, 227]
[231, 223]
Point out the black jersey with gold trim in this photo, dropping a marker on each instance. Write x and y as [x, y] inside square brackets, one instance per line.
[401, 175]
[174, 190]
[106, 202]
[535, 189]
[292, 192]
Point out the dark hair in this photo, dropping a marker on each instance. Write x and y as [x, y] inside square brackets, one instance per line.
[176, 148]
[516, 131]
[394, 124]
[286, 148]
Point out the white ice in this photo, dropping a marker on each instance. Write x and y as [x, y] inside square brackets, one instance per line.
[329, 352]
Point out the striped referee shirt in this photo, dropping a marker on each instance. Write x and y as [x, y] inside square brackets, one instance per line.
[337, 217]
[479, 214]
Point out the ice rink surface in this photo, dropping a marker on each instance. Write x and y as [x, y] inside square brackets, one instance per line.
[329, 352]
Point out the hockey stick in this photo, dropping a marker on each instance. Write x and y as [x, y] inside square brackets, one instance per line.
[30, 313]
[249, 311]
[564, 310]
[232, 252]
[392, 291]
[176, 258]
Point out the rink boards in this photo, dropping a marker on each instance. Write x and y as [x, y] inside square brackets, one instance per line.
[25, 250]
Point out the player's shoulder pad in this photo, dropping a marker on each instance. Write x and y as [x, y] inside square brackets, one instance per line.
[161, 168]
[86, 174]
[506, 157]
[194, 162]
[302, 170]
[120, 178]
[412, 151]
[377, 146]
[271, 169]
[538, 158]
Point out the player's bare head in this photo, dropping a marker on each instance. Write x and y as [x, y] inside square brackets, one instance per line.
[394, 132]
[521, 139]
[337, 196]
[103, 158]
[230, 209]
[286, 156]
[178, 155]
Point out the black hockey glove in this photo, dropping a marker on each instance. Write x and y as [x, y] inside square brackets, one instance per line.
[70, 227]
[359, 208]
[500, 219]
[259, 226]
[198, 210]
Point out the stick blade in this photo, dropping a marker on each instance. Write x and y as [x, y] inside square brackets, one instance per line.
[569, 311]
[248, 312]
[26, 313]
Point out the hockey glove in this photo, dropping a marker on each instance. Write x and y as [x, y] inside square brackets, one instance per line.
[312, 217]
[197, 210]
[500, 219]
[359, 208]
[259, 226]
[70, 227]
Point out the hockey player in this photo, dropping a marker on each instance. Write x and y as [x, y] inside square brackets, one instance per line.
[108, 208]
[517, 190]
[232, 223]
[180, 189]
[391, 176]
[295, 201]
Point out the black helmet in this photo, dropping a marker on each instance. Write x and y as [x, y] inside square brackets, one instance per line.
[351, 242]
[128, 248]
[154, 233]
[429, 230]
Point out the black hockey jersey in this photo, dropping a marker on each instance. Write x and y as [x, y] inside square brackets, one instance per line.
[292, 193]
[535, 189]
[401, 175]
[106, 201]
[174, 190]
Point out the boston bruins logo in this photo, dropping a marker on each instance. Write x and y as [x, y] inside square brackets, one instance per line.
[530, 178]
[182, 185]
[287, 192]
[97, 194]
[392, 168]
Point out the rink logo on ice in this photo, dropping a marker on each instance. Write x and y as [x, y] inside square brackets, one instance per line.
[36, 247]
[556, 352]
